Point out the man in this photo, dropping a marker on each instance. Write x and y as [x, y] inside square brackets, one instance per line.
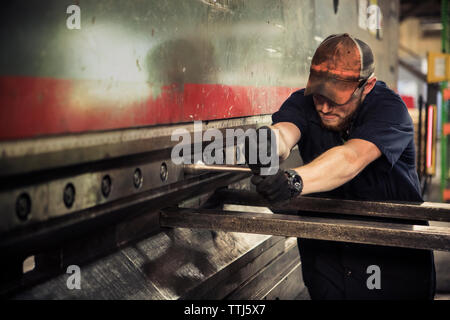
[356, 139]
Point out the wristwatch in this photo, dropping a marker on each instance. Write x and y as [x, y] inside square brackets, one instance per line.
[295, 182]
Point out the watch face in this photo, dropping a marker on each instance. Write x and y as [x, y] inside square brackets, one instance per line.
[295, 180]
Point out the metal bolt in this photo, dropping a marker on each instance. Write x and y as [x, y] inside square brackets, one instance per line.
[23, 206]
[163, 173]
[69, 195]
[106, 186]
[138, 179]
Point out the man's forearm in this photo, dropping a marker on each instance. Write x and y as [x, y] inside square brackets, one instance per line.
[332, 169]
[287, 135]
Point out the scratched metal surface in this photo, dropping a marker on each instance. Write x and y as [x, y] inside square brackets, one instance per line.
[137, 63]
[222, 41]
[168, 265]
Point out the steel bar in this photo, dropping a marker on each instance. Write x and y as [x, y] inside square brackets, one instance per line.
[426, 211]
[202, 168]
[378, 233]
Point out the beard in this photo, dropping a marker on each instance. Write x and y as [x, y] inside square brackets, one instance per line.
[345, 122]
[343, 125]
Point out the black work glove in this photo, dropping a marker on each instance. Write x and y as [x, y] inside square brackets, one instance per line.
[261, 142]
[274, 188]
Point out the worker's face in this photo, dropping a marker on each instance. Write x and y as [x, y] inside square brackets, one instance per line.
[336, 117]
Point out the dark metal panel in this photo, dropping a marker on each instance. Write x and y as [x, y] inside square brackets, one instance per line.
[43, 233]
[387, 234]
[289, 285]
[273, 275]
[221, 284]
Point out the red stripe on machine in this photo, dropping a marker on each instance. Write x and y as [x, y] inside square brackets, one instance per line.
[430, 136]
[45, 106]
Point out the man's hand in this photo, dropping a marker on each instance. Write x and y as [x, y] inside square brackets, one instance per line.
[274, 188]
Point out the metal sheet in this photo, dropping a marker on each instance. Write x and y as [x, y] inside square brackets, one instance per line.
[143, 62]
[387, 234]
[173, 264]
[427, 211]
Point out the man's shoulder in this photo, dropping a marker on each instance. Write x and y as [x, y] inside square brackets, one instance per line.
[297, 108]
[381, 92]
[299, 94]
[299, 99]
[385, 101]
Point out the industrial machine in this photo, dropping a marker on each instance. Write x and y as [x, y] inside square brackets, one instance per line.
[92, 97]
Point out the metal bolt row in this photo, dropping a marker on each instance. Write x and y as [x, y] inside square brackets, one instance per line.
[23, 202]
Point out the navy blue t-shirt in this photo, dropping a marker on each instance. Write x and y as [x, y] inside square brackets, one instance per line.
[337, 270]
[382, 119]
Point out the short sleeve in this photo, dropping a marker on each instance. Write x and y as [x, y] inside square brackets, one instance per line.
[293, 110]
[387, 124]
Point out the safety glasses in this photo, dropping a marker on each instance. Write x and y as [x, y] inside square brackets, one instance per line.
[321, 99]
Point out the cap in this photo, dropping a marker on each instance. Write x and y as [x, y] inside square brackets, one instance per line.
[338, 66]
